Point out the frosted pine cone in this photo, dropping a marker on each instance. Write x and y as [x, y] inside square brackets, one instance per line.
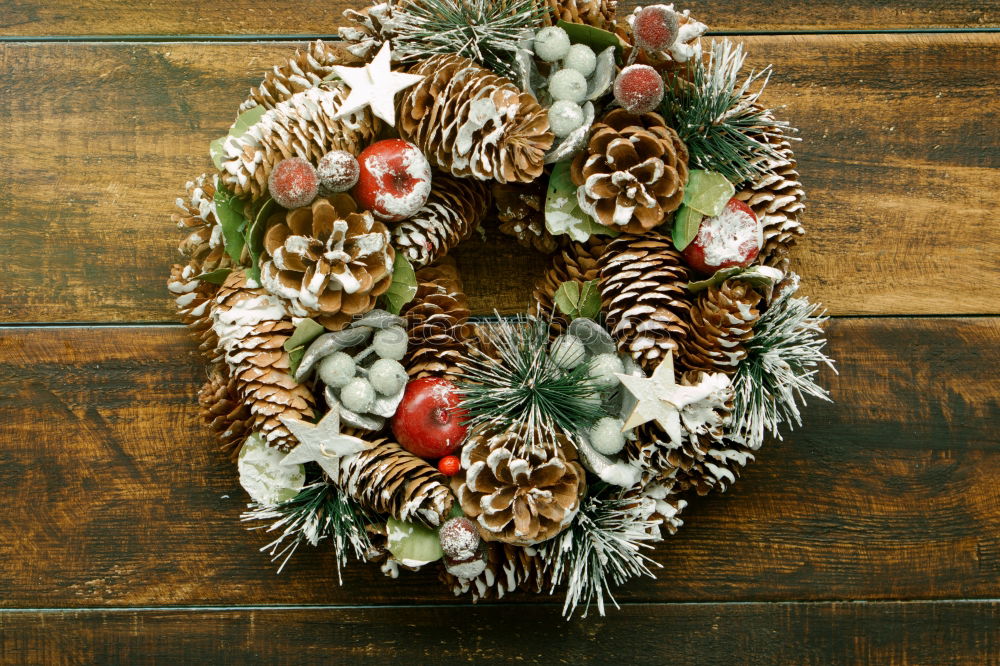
[306, 69]
[575, 262]
[721, 321]
[644, 296]
[368, 29]
[193, 299]
[632, 173]
[221, 408]
[473, 123]
[329, 260]
[202, 246]
[508, 568]
[454, 210]
[520, 501]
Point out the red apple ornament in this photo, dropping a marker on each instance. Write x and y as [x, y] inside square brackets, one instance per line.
[428, 421]
[395, 179]
[731, 238]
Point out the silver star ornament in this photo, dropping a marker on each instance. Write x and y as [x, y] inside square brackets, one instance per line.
[374, 85]
[322, 443]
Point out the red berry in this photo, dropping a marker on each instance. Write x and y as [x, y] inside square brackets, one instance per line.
[293, 183]
[449, 465]
[459, 538]
[655, 28]
[639, 88]
[428, 421]
[731, 238]
[395, 179]
[338, 172]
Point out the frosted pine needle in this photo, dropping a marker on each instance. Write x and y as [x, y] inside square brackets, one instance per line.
[486, 31]
[320, 511]
[780, 368]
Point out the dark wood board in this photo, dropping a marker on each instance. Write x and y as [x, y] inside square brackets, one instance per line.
[884, 633]
[98, 139]
[37, 18]
[115, 495]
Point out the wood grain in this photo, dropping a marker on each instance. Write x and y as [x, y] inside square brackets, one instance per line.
[115, 495]
[98, 139]
[812, 633]
[35, 18]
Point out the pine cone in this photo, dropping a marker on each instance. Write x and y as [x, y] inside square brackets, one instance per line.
[632, 173]
[521, 211]
[301, 126]
[660, 500]
[473, 123]
[644, 297]
[328, 260]
[575, 262]
[437, 323]
[306, 69]
[221, 408]
[369, 29]
[453, 212]
[193, 299]
[598, 13]
[202, 246]
[520, 501]
[508, 568]
[252, 330]
[721, 321]
[777, 199]
[389, 479]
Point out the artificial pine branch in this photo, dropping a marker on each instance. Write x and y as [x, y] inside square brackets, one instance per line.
[720, 121]
[486, 31]
[780, 368]
[318, 512]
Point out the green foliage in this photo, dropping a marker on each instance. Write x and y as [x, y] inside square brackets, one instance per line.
[707, 192]
[687, 221]
[577, 300]
[563, 214]
[594, 37]
[403, 287]
[245, 121]
[217, 276]
[413, 543]
[763, 277]
[305, 332]
[229, 210]
[254, 238]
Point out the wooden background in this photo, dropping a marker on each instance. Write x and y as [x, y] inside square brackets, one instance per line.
[871, 534]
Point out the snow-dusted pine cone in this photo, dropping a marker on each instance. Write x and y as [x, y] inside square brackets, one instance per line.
[202, 246]
[575, 262]
[305, 70]
[632, 173]
[454, 210]
[644, 296]
[220, 406]
[367, 29]
[437, 323]
[193, 300]
[508, 568]
[328, 261]
[473, 123]
[721, 322]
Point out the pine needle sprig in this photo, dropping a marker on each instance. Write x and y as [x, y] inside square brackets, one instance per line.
[779, 371]
[486, 31]
[602, 548]
[524, 388]
[320, 511]
[720, 120]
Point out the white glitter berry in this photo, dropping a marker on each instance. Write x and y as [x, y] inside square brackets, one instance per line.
[337, 369]
[390, 343]
[606, 436]
[603, 368]
[387, 376]
[581, 58]
[564, 117]
[568, 351]
[551, 44]
[338, 172]
[568, 84]
[358, 395]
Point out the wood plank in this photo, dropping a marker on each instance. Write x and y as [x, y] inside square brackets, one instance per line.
[948, 632]
[116, 496]
[97, 140]
[34, 18]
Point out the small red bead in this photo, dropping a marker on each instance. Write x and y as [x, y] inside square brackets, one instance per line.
[449, 465]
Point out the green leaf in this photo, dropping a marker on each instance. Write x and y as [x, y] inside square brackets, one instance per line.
[578, 300]
[305, 332]
[413, 544]
[590, 300]
[243, 123]
[217, 276]
[563, 214]
[595, 38]
[567, 297]
[229, 212]
[686, 224]
[255, 238]
[403, 287]
[717, 278]
[215, 150]
[708, 192]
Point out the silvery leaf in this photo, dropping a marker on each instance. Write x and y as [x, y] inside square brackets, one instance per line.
[575, 141]
[604, 74]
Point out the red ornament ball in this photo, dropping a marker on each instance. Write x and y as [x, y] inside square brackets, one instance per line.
[449, 465]
[655, 28]
[428, 421]
[338, 172]
[731, 238]
[459, 538]
[293, 183]
[395, 179]
[639, 88]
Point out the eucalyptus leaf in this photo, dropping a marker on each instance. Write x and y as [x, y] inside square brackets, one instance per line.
[762, 277]
[255, 238]
[412, 544]
[590, 300]
[243, 123]
[708, 192]
[215, 149]
[567, 297]
[717, 278]
[563, 214]
[217, 276]
[686, 224]
[595, 38]
[229, 212]
[577, 299]
[403, 287]
[305, 332]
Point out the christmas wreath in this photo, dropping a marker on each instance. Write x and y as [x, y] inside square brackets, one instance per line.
[368, 413]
